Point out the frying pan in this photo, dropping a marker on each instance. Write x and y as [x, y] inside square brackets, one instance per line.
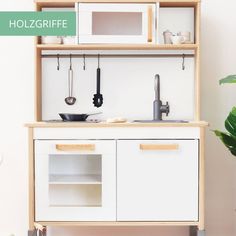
[76, 117]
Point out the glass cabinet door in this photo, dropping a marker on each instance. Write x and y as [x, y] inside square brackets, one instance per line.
[75, 180]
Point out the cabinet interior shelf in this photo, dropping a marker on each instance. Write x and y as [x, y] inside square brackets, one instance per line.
[75, 179]
[117, 47]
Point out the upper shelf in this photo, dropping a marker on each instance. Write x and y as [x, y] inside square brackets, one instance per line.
[163, 3]
[118, 47]
[115, 1]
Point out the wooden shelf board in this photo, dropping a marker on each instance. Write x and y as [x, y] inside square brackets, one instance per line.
[178, 4]
[111, 125]
[71, 3]
[117, 1]
[75, 179]
[68, 205]
[118, 47]
[119, 223]
[65, 4]
[56, 4]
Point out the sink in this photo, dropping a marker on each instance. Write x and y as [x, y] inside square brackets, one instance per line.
[161, 121]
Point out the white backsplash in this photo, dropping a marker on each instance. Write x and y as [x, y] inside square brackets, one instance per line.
[127, 85]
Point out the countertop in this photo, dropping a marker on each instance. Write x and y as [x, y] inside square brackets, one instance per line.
[62, 124]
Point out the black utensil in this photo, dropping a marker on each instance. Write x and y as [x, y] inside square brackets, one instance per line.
[76, 117]
[98, 98]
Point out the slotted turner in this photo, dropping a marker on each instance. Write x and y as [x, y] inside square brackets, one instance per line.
[98, 98]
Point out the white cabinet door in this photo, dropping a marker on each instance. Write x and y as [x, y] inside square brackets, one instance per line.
[75, 180]
[157, 180]
[117, 23]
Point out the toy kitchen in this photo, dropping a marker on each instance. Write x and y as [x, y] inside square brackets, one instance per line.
[117, 138]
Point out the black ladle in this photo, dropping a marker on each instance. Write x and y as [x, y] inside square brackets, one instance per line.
[97, 98]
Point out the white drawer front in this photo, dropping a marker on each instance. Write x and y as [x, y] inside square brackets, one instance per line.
[73, 146]
[157, 180]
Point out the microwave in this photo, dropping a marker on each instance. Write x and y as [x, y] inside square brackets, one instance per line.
[117, 23]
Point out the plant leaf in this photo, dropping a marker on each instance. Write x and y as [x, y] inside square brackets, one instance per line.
[228, 140]
[233, 152]
[229, 79]
[230, 122]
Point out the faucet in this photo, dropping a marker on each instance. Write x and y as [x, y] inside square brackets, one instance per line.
[158, 107]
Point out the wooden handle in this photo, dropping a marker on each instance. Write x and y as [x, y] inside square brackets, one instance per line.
[149, 39]
[159, 147]
[75, 147]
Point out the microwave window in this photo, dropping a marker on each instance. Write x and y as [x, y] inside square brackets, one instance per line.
[117, 23]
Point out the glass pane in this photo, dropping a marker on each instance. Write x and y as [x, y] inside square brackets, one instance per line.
[117, 23]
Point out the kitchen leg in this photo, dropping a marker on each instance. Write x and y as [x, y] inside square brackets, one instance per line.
[39, 230]
[194, 231]
[31, 233]
[201, 233]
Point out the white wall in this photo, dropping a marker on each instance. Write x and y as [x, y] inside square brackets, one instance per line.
[16, 102]
[218, 60]
[16, 91]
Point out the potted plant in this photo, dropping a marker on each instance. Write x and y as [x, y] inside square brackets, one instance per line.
[229, 138]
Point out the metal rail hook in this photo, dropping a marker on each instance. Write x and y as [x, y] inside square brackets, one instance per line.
[58, 62]
[183, 63]
[84, 67]
[70, 62]
[98, 60]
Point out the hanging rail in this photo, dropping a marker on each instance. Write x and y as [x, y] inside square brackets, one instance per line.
[116, 55]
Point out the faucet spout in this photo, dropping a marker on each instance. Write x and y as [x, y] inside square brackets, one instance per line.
[157, 87]
[158, 107]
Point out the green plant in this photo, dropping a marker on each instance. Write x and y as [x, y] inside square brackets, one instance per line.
[230, 79]
[229, 139]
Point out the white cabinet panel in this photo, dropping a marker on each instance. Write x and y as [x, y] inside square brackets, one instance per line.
[118, 133]
[157, 185]
[73, 184]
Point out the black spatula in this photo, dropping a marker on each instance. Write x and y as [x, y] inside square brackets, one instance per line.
[97, 98]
